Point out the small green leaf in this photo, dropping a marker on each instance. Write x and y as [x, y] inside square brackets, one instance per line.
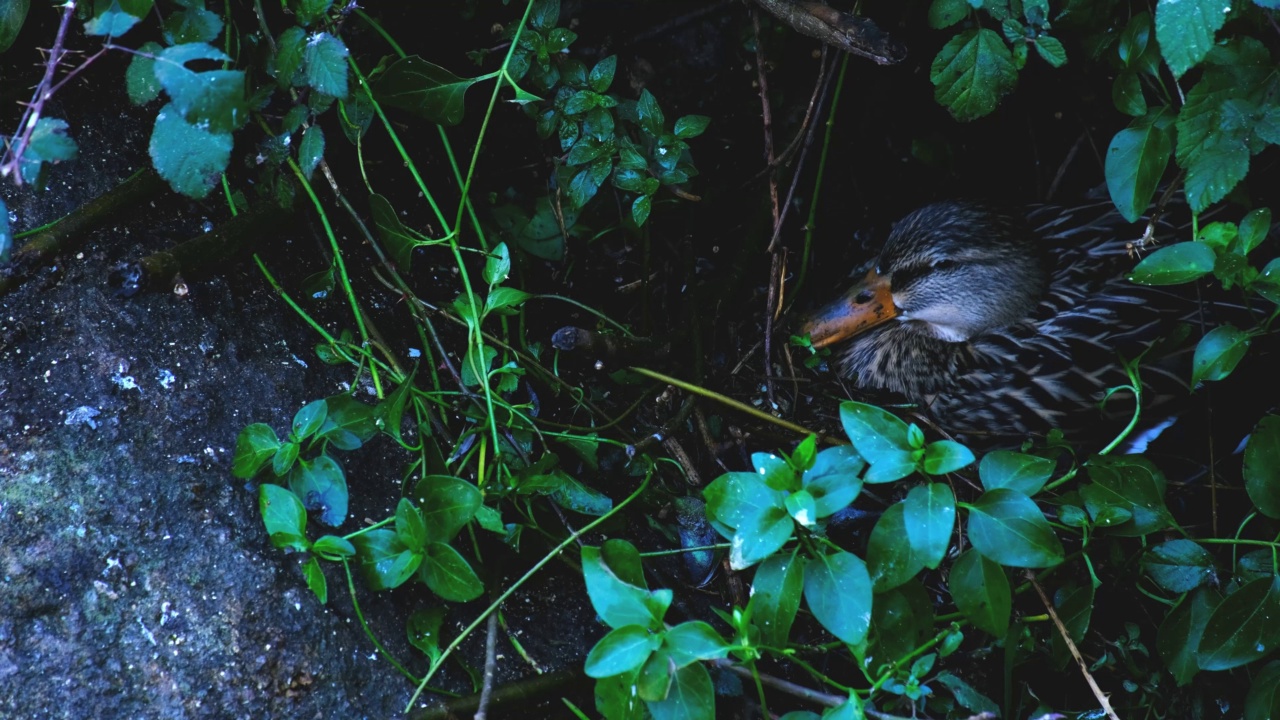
[283, 515]
[332, 547]
[290, 47]
[1051, 49]
[890, 561]
[497, 265]
[502, 298]
[1261, 466]
[930, 516]
[284, 458]
[309, 11]
[255, 446]
[1263, 700]
[980, 589]
[423, 630]
[1025, 473]
[1007, 527]
[945, 13]
[383, 559]
[140, 79]
[640, 209]
[1242, 628]
[1185, 29]
[310, 150]
[881, 438]
[348, 424]
[117, 17]
[476, 365]
[691, 695]
[837, 589]
[1173, 264]
[188, 157]
[616, 586]
[694, 641]
[211, 100]
[309, 419]
[399, 239]
[1178, 565]
[1218, 353]
[691, 126]
[972, 72]
[13, 15]
[1127, 96]
[49, 143]
[410, 527]
[800, 506]
[192, 24]
[1254, 227]
[649, 114]
[775, 596]
[315, 579]
[833, 479]
[449, 575]
[968, 697]
[447, 505]
[325, 64]
[601, 76]
[620, 651]
[946, 456]
[322, 486]
[1130, 483]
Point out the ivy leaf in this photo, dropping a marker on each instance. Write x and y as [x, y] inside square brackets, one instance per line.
[1185, 29]
[1173, 264]
[972, 73]
[325, 64]
[1261, 466]
[1136, 160]
[1218, 353]
[837, 589]
[1007, 527]
[189, 157]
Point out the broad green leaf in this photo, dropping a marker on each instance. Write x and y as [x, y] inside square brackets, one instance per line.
[1263, 700]
[775, 472]
[1185, 29]
[837, 589]
[255, 446]
[322, 486]
[348, 424]
[761, 534]
[930, 515]
[881, 438]
[1025, 473]
[289, 55]
[903, 621]
[1261, 466]
[945, 456]
[601, 76]
[622, 650]
[1268, 282]
[449, 575]
[1127, 96]
[383, 560]
[501, 298]
[284, 516]
[1218, 353]
[13, 14]
[211, 100]
[1177, 263]
[309, 11]
[1179, 565]
[1136, 160]
[1074, 605]
[775, 597]
[447, 505]
[654, 680]
[571, 494]
[325, 64]
[1179, 635]
[640, 209]
[691, 696]
[1254, 227]
[801, 507]
[1130, 483]
[49, 143]
[1243, 627]
[399, 240]
[1051, 50]
[981, 591]
[307, 421]
[614, 591]
[423, 630]
[891, 559]
[692, 641]
[834, 480]
[192, 24]
[189, 157]
[117, 17]
[1007, 527]
[424, 89]
[140, 79]
[972, 73]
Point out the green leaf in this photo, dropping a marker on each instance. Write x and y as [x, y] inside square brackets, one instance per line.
[1218, 353]
[616, 586]
[691, 696]
[348, 424]
[255, 446]
[837, 589]
[601, 76]
[571, 494]
[834, 480]
[400, 240]
[981, 592]
[447, 505]
[881, 438]
[968, 697]
[694, 641]
[284, 516]
[640, 209]
[310, 150]
[409, 526]
[6, 234]
[497, 265]
[502, 298]
[383, 560]
[190, 158]
[1005, 469]
[212, 100]
[649, 114]
[1267, 283]
[332, 547]
[1136, 160]
[1254, 227]
[13, 14]
[890, 561]
[449, 575]
[691, 126]
[1173, 264]
[1263, 700]
[945, 456]
[423, 630]
[309, 11]
[284, 458]
[903, 622]
[972, 72]
[775, 472]
[1179, 635]
[1185, 29]
[1261, 466]
[929, 513]
[325, 64]
[1051, 49]
[48, 144]
[1243, 627]
[620, 651]
[1130, 483]
[476, 366]
[775, 597]
[1178, 565]
[117, 17]
[315, 579]
[309, 419]
[801, 507]
[945, 13]
[140, 79]
[1127, 96]
[192, 24]
[322, 486]
[1074, 605]
[424, 89]
[1006, 526]
[290, 47]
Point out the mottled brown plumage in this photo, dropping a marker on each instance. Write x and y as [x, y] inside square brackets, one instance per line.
[997, 324]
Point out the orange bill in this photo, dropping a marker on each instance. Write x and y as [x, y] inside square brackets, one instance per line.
[867, 304]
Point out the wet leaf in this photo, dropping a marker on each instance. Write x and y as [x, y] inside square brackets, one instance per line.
[1007, 527]
[837, 589]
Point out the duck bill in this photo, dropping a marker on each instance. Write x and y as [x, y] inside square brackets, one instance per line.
[868, 304]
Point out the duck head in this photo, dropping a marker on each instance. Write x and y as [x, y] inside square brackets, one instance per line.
[949, 271]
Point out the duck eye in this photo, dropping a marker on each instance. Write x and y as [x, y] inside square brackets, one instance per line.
[943, 264]
[863, 297]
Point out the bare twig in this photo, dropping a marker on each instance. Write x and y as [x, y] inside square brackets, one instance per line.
[1075, 652]
[854, 34]
[12, 157]
[490, 663]
[766, 116]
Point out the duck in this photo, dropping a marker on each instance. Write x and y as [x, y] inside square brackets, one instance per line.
[998, 323]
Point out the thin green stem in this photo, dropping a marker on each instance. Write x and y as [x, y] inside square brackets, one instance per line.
[811, 222]
[724, 400]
